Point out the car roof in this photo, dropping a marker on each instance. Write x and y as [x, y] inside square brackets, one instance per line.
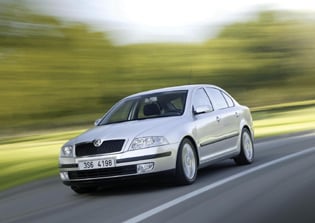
[174, 88]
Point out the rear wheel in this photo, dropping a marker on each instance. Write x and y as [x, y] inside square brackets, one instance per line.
[83, 190]
[246, 155]
[186, 165]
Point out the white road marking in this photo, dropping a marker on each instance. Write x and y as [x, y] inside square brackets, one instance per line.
[199, 191]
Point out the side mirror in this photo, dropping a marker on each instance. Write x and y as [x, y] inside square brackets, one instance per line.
[202, 109]
[97, 121]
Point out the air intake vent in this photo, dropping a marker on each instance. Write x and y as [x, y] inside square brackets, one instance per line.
[99, 173]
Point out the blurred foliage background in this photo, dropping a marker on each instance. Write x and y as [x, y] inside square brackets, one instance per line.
[56, 74]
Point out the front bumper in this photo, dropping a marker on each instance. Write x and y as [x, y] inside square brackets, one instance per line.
[127, 165]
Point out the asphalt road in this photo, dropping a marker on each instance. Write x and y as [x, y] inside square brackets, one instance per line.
[278, 187]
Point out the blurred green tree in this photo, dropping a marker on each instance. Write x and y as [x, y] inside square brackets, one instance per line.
[263, 52]
[56, 74]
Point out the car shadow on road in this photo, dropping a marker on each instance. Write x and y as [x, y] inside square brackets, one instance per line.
[216, 168]
[136, 186]
[158, 183]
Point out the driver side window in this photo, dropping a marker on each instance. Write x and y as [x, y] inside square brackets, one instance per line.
[200, 98]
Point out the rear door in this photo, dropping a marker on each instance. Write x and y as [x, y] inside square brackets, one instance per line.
[227, 115]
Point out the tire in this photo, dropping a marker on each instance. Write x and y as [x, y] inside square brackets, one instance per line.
[83, 190]
[246, 155]
[186, 163]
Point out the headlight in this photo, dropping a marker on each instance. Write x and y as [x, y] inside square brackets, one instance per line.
[147, 142]
[67, 151]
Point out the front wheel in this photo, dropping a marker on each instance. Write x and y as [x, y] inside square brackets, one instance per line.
[246, 155]
[186, 165]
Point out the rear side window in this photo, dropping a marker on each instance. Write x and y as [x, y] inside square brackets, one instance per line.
[228, 100]
[216, 98]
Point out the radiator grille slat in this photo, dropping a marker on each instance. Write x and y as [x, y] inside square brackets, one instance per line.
[88, 148]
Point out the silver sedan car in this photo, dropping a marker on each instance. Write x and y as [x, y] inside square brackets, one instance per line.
[176, 130]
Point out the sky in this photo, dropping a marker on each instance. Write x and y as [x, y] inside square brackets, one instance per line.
[136, 21]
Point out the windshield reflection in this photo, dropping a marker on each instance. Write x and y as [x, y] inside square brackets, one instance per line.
[163, 104]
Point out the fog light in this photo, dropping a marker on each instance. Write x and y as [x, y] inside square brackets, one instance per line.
[145, 167]
[64, 176]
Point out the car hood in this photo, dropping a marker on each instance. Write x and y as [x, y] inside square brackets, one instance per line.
[128, 130]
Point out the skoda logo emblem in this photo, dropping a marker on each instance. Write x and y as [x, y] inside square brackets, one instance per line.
[97, 142]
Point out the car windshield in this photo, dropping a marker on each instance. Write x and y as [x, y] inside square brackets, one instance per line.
[163, 104]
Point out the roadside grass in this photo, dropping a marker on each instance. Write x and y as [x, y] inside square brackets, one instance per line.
[28, 158]
[278, 122]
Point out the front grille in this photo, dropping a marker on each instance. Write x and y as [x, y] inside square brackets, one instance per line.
[88, 148]
[107, 172]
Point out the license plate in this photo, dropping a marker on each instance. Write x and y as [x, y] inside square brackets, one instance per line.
[96, 164]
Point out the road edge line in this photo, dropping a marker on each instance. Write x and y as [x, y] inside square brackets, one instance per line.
[201, 190]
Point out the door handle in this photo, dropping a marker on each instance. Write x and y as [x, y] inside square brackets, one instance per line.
[236, 114]
[218, 119]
